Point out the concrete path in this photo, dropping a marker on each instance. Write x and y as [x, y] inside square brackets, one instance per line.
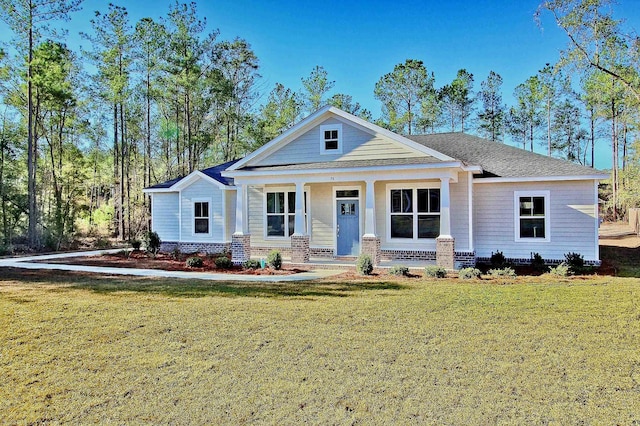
[29, 263]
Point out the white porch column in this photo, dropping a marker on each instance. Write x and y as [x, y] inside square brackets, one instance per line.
[299, 228]
[445, 203]
[370, 210]
[242, 223]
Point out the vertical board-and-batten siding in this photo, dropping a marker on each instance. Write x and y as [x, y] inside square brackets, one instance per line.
[202, 190]
[572, 220]
[356, 145]
[165, 215]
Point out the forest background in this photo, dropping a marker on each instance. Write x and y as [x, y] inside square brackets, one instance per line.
[83, 131]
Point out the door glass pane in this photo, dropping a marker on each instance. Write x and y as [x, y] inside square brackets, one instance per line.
[401, 226]
[428, 226]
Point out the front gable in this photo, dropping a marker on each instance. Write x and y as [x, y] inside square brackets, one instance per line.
[350, 138]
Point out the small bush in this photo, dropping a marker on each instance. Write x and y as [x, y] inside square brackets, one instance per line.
[575, 262]
[537, 262]
[364, 265]
[194, 262]
[498, 260]
[101, 243]
[274, 259]
[469, 273]
[136, 244]
[562, 270]
[251, 264]
[399, 270]
[151, 242]
[223, 262]
[435, 272]
[502, 273]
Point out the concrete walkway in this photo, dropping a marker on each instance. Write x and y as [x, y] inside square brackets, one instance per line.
[29, 263]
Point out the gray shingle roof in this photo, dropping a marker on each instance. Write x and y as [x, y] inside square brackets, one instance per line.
[213, 172]
[349, 164]
[498, 159]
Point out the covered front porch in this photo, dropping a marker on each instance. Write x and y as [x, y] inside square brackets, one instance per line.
[395, 215]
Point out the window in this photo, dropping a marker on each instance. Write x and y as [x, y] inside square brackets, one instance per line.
[201, 217]
[281, 213]
[414, 213]
[331, 139]
[532, 215]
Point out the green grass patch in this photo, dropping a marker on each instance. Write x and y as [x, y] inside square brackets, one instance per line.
[540, 350]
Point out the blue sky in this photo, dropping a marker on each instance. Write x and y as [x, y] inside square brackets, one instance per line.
[359, 41]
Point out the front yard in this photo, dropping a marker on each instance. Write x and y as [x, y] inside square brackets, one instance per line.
[85, 349]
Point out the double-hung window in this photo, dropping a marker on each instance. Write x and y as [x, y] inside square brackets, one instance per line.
[532, 215]
[331, 139]
[414, 213]
[201, 217]
[281, 213]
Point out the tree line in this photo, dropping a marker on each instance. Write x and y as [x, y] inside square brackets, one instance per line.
[83, 132]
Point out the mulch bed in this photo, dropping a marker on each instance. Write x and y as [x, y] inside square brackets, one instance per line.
[167, 262]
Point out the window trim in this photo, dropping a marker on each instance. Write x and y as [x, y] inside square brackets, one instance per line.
[208, 217]
[285, 190]
[517, 217]
[323, 148]
[414, 187]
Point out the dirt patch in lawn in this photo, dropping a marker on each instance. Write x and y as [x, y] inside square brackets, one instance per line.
[168, 262]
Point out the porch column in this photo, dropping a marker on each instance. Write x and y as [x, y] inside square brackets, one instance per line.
[300, 237]
[370, 241]
[445, 243]
[241, 240]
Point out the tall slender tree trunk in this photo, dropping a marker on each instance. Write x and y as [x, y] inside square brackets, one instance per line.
[593, 138]
[32, 147]
[614, 165]
[121, 227]
[116, 173]
[549, 127]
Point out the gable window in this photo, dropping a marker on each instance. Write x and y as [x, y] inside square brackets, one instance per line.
[414, 213]
[532, 215]
[281, 213]
[201, 217]
[331, 139]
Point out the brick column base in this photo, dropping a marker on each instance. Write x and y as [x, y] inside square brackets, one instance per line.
[371, 246]
[299, 248]
[240, 248]
[445, 252]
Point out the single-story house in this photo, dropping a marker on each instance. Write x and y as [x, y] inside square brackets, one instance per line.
[335, 186]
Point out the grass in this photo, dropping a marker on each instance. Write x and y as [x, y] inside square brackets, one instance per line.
[84, 349]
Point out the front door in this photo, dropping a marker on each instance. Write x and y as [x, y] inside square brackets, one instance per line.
[347, 228]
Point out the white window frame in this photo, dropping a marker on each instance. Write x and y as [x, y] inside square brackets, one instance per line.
[414, 187]
[329, 127]
[285, 190]
[193, 216]
[547, 218]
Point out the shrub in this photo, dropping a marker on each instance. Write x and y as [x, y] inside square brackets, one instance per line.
[498, 260]
[151, 242]
[502, 273]
[274, 259]
[136, 244]
[575, 262]
[399, 270]
[469, 273]
[435, 272]
[562, 270]
[223, 262]
[537, 262]
[251, 264]
[364, 265]
[194, 262]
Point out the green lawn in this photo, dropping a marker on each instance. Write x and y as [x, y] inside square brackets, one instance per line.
[79, 349]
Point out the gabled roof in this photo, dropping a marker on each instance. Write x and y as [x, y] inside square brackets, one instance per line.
[211, 172]
[319, 116]
[499, 160]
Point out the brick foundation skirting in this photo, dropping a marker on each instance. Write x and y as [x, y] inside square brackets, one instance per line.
[527, 261]
[182, 247]
[260, 252]
[321, 252]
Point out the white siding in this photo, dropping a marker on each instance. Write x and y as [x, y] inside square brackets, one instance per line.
[202, 190]
[572, 220]
[165, 215]
[357, 145]
[322, 205]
